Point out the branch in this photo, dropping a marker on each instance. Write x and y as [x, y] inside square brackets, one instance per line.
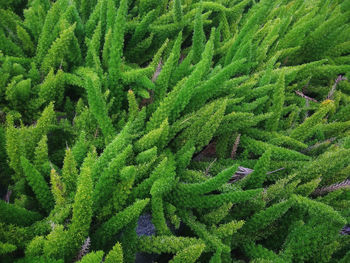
[235, 146]
[84, 249]
[209, 166]
[156, 73]
[331, 92]
[304, 96]
[243, 172]
[7, 196]
[333, 187]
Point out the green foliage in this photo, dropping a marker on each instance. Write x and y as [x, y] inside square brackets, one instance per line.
[198, 37]
[190, 254]
[13, 214]
[6, 248]
[207, 186]
[82, 206]
[278, 101]
[115, 255]
[167, 244]
[58, 188]
[257, 178]
[97, 104]
[41, 159]
[167, 70]
[69, 172]
[156, 137]
[116, 49]
[107, 230]
[104, 186]
[302, 131]
[177, 11]
[209, 131]
[92, 257]
[38, 184]
[60, 47]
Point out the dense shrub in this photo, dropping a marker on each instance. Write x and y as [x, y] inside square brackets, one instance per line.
[181, 131]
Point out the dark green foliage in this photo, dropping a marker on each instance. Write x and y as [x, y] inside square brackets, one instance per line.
[198, 37]
[207, 186]
[167, 244]
[107, 230]
[194, 131]
[38, 184]
[13, 214]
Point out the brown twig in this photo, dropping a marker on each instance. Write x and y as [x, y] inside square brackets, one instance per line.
[7, 196]
[333, 187]
[279, 169]
[318, 144]
[243, 172]
[60, 67]
[304, 96]
[158, 70]
[52, 225]
[145, 101]
[307, 104]
[209, 166]
[84, 249]
[331, 92]
[240, 173]
[182, 57]
[235, 146]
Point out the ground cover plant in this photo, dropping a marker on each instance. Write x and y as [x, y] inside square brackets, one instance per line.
[175, 131]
